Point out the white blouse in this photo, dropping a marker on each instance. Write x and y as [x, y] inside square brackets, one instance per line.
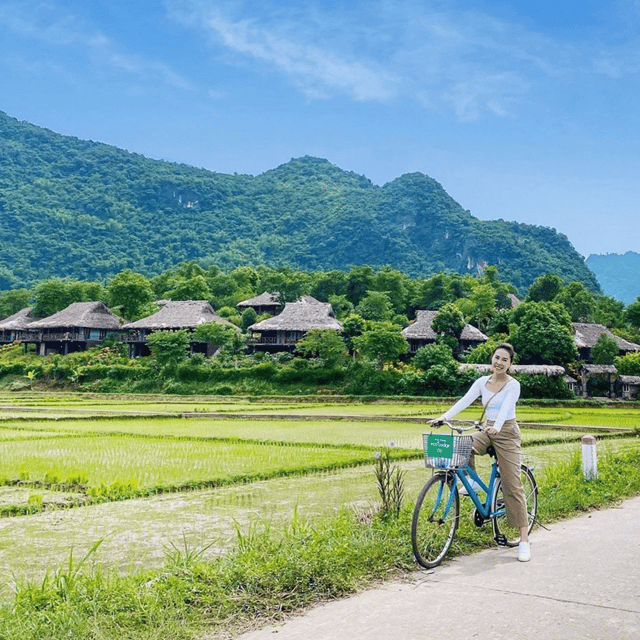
[502, 406]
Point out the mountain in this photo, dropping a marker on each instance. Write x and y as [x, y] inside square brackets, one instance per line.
[619, 275]
[86, 210]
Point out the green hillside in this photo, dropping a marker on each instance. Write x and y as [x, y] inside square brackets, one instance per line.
[619, 275]
[77, 208]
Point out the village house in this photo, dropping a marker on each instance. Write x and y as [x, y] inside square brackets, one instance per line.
[598, 376]
[264, 303]
[173, 315]
[284, 331]
[10, 327]
[586, 334]
[628, 387]
[78, 327]
[420, 333]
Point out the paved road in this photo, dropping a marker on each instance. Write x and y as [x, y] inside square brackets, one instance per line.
[583, 583]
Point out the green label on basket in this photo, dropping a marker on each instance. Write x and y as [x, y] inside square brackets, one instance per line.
[439, 446]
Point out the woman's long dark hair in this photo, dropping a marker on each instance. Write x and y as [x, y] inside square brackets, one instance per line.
[508, 348]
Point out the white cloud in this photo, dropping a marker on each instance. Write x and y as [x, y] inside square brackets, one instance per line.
[317, 71]
[472, 63]
[55, 27]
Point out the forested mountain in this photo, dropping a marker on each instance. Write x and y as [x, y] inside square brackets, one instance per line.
[77, 208]
[619, 275]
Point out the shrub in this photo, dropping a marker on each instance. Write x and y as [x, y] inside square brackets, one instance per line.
[540, 386]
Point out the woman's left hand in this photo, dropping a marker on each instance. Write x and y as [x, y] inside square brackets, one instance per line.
[492, 431]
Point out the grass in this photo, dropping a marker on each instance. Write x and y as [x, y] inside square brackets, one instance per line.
[209, 558]
[271, 573]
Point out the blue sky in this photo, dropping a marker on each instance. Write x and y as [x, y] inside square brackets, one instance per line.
[523, 111]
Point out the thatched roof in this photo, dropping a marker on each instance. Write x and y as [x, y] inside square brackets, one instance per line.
[586, 334]
[421, 329]
[179, 314]
[598, 368]
[303, 315]
[265, 299]
[81, 315]
[20, 320]
[635, 380]
[516, 369]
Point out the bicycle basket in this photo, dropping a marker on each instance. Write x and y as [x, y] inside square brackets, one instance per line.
[446, 452]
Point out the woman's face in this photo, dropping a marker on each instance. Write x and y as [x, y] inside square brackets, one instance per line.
[500, 361]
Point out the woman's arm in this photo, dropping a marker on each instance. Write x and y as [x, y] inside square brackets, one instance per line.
[466, 400]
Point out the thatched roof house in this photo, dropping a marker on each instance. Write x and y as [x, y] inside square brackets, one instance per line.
[173, 315]
[283, 331]
[81, 315]
[629, 387]
[586, 334]
[421, 333]
[178, 314]
[79, 326]
[9, 327]
[264, 303]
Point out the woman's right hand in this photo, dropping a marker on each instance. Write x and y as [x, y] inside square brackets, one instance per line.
[438, 422]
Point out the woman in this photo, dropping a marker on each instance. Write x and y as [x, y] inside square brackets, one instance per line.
[500, 393]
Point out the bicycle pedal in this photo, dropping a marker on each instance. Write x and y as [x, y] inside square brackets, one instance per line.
[501, 540]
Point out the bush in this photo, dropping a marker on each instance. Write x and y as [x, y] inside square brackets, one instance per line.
[540, 386]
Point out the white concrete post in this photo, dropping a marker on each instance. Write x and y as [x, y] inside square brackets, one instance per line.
[589, 458]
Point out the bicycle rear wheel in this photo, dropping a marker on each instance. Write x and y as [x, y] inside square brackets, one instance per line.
[435, 520]
[504, 533]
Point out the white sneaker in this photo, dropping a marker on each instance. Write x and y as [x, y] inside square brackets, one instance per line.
[524, 552]
[462, 490]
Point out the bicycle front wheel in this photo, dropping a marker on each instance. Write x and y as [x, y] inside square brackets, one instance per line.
[435, 520]
[503, 532]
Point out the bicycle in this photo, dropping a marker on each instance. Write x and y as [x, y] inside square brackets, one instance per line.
[437, 512]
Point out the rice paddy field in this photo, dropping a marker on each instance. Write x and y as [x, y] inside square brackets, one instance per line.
[148, 474]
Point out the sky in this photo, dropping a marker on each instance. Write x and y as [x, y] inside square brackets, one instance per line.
[524, 111]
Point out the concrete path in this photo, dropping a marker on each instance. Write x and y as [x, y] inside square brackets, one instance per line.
[583, 583]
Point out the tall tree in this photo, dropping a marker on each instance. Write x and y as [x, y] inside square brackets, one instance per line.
[130, 290]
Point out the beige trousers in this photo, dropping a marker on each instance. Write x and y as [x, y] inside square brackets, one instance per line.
[507, 445]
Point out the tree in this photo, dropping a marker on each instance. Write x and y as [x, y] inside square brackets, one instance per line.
[544, 334]
[480, 306]
[325, 344]
[545, 288]
[578, 300]
[51, 296]
[13, 301]
[629, 364]
[195, 288]
[395, 284]
[431, 355]
[449, 323]
[215, 333]
[375, 306]
[609, 312]
[341, 306]
[434, 292]
[169, 348]
[605, 350]
[632, 314]
[130, 290]
[382, 341]
[249, 317]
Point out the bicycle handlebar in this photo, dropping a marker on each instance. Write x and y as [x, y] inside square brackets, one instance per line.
[474, 425]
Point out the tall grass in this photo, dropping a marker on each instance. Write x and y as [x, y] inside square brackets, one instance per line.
[271, 574]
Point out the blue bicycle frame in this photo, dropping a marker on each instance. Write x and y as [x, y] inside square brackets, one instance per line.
[463, 476]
